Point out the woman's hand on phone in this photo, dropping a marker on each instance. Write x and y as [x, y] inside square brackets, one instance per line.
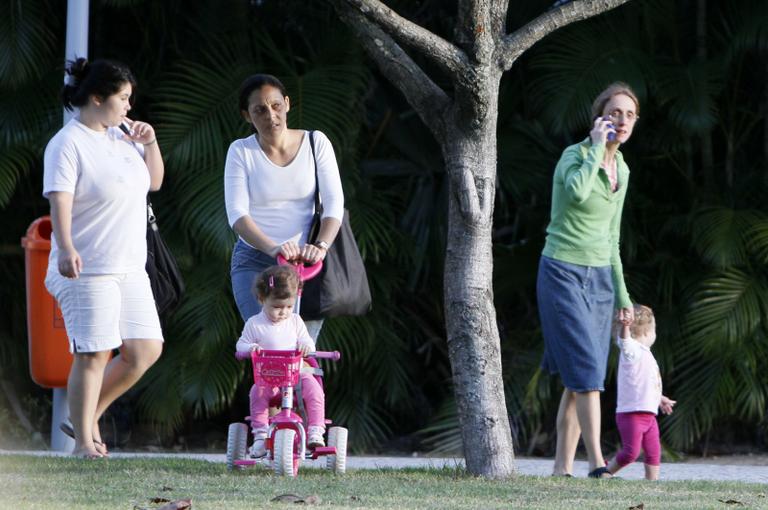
[600, 130]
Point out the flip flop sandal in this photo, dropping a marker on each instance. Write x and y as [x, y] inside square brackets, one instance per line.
[600, 473]
[67, 428]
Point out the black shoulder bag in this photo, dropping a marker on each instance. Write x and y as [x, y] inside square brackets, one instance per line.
[164, 274]
[342, 286]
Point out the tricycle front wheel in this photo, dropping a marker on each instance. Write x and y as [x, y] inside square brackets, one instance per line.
[337, 437]
[284, 463]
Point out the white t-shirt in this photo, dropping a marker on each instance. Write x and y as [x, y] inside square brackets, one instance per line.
[280, 199]
[109, 180]
[281, 336]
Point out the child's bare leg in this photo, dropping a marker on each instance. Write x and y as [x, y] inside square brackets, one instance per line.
[652, 472]
[613, 466]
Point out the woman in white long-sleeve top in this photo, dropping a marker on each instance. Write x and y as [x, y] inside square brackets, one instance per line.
[269, 186]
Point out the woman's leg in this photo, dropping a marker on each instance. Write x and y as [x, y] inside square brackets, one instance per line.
[124, 370]
[588, 413]
[83, 388]
[568, 432]
[313, 328]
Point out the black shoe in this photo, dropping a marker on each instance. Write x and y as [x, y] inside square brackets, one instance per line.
[600, 473]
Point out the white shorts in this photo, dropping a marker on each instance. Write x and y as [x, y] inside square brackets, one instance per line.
[102, 310]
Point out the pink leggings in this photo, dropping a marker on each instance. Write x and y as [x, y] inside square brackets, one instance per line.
[638, 429]
[311, 392]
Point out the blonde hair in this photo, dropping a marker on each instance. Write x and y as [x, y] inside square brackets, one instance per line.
[611, 90]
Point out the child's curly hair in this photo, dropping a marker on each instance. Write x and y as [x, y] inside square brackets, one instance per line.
[279, 282]
[643, 324]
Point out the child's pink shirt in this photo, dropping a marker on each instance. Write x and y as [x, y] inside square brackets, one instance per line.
[284, 335]
[639, 379]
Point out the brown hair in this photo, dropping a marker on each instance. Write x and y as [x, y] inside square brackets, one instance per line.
[611, 90]
[279, 282]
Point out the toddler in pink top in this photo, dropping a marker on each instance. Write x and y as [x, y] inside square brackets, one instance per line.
[639, 397]
[277, 327]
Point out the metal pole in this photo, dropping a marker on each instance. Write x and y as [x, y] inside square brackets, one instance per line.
[77, 36]
[76, 46]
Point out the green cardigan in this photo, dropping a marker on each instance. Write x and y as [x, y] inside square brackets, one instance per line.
[586, 214]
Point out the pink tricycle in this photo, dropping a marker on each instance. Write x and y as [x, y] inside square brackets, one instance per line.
[286, 441]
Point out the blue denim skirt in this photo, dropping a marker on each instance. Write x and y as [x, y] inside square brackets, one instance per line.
[576, 311]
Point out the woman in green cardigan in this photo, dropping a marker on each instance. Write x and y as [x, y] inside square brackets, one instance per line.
[580, 278]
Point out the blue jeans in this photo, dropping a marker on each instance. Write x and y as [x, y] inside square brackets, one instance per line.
[247, 264]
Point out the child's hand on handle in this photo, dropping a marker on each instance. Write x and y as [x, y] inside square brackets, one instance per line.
[304, 348]
[255, 348]
[667, 404]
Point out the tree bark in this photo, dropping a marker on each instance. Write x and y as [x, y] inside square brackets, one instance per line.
[464, 124]
[473, 336]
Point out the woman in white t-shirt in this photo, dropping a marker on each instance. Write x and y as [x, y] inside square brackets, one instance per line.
[96, 178]
[269, 185]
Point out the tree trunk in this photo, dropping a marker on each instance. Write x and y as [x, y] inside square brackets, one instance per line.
[463, 121]
[473, 336]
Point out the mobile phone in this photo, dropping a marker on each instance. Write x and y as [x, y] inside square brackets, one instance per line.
[612, 134]
[124, 129]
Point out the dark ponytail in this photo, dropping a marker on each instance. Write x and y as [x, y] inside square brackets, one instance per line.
[101, 78]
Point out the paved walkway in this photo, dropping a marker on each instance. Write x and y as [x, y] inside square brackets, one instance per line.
[527, 466]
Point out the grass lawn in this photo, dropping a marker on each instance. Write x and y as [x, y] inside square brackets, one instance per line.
[58, 482]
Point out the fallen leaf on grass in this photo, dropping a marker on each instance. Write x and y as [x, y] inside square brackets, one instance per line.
[166, 488]
[641, 506]
[299, 500]
[159, 500]
[731, 502]
[354, 498]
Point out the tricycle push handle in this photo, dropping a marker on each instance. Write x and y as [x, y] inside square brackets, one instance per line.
[305, 272]
[331, 355]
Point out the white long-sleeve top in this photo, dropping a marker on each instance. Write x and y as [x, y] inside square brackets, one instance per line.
[280, 199]
[280, 336]
[639, 380]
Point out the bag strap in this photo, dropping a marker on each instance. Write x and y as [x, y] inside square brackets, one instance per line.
[151, 219]
[318, 203]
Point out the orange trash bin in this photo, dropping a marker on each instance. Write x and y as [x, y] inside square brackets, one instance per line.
[49, 356]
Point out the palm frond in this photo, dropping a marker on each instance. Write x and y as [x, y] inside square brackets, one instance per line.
[722, 235]
[727, 307]
[26, 40]
[689, 94]
[15, 162]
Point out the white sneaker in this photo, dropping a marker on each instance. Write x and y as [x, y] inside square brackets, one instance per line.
[315, 436]
[258, 448]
